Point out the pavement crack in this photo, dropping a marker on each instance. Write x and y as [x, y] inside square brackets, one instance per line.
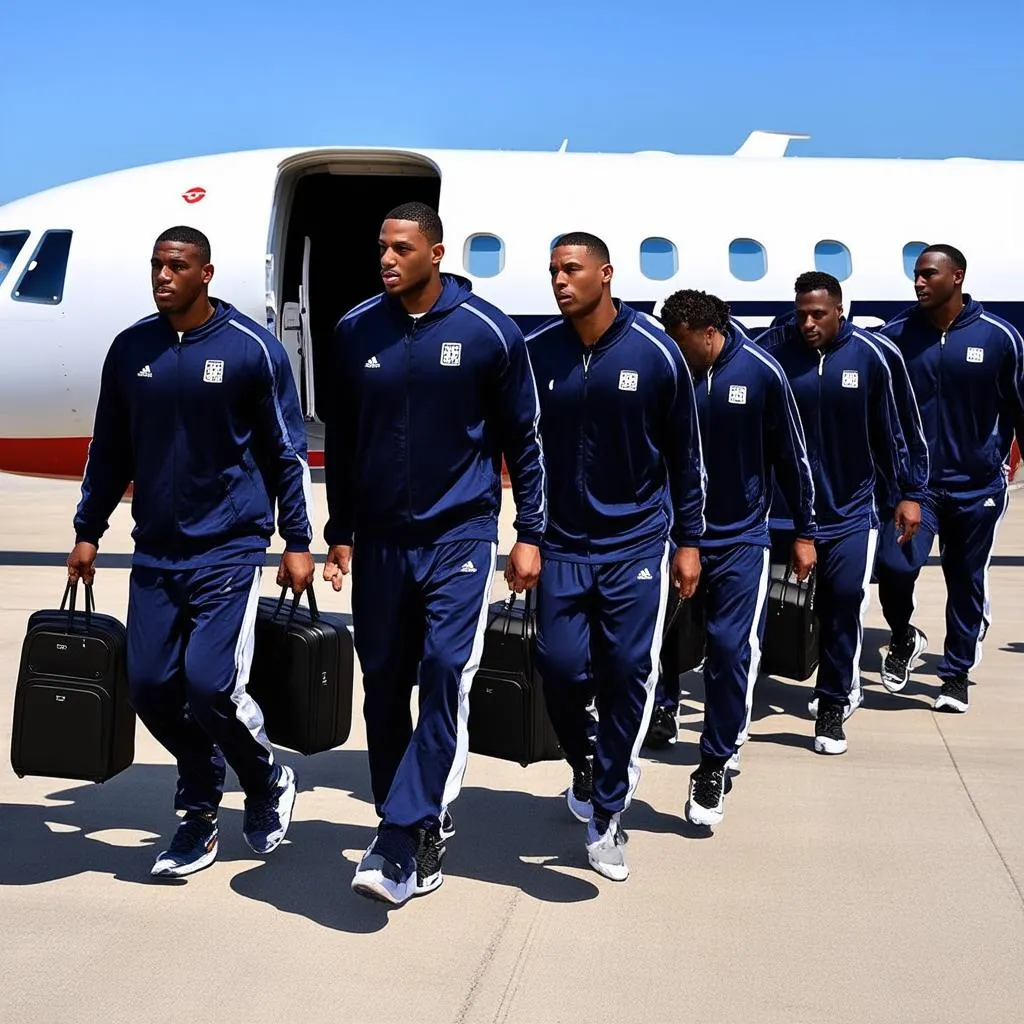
[977, 811]
[487, 958]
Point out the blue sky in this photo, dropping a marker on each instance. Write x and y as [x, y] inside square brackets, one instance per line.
[89, 88]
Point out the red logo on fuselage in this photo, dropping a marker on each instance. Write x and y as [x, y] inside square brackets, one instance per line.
[193, 195]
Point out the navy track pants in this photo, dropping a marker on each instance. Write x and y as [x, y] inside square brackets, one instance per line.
[190, 647]
[967, 529]
[734, 581]
[599, 628]
[419, 615]
[843, 593]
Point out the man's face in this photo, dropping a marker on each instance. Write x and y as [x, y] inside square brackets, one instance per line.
[936, 279]
[818, 317]
[407, 258]
[578, 279]
[179, 276]
[696, 344]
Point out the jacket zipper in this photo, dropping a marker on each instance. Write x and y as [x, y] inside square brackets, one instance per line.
[938, 411]
[587, 354]
[408, 419]
[821, 370]
[177, 434]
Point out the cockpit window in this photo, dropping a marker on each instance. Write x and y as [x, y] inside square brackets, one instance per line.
[43, 279]
[11, 244]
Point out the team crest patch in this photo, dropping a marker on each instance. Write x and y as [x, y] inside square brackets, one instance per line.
[214, 371]
[451, 353]
[851, 379]
[975, 355]
[628, 380]
[737, 394]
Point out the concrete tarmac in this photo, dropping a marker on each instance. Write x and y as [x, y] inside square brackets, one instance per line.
[884, 885]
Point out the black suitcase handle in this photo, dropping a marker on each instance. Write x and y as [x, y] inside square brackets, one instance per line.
[807, 584]
[529, 627]
[71, 591]
[314, 612]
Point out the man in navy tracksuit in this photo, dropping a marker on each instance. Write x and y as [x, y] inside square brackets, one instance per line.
[967, 371]
[198, 408]
[843, 390]
[751, 434]
[664, 727]
[431, 386]
[623, 451]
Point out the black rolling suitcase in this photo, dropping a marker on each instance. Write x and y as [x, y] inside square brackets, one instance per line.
[72, 717]
[790, 647]
[508, 718]
[301, 675]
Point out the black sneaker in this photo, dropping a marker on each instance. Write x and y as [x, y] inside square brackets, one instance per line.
[953, 695]
[707, 794]
[431, 847]
[193, 848]
[903, 652]
[579, 794]
[664, 728]
[829, 737]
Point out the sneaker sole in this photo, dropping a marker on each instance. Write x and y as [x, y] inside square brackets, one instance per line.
[375, 889]
[286, 818]
[613, 872]
[186, 869]
[824, 745]
[942, 702]
[697, 814]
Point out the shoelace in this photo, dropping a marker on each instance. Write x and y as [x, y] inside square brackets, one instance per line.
[190, 833]
[832, 718]
[708, 787]
[263, 816]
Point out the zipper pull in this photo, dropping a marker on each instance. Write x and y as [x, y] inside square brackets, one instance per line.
[821, 362]
[709, 383]
[942, 340]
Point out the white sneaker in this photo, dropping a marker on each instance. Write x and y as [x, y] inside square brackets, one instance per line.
[606, 852]
[379, 879]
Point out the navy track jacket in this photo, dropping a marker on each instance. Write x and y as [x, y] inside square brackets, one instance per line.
[621, 439]
[910, 421]
[209, 429]
[422, 412]
[969, 383]
[751, 433]
[854, 439]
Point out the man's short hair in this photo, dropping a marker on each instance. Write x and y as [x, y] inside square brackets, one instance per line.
[423, 216]
[696, 310]
[956, 257]
[590, 242]
[187, 236]
[817, 280]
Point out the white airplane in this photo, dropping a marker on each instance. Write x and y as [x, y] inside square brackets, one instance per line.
[294, 238]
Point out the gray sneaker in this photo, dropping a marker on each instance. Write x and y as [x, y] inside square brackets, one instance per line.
[606, 852]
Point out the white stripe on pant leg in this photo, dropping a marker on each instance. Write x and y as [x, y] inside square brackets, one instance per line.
[986, 603]
[755, 647]
[869, 563]
[453, 784]
[247, 711]
[633, 772]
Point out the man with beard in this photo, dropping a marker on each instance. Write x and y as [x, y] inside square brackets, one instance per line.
[843, 390]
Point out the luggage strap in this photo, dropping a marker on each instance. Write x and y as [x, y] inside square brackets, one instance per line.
[314, 612]
[71, 591]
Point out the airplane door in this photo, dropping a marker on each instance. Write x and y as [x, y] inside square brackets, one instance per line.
[306, 344]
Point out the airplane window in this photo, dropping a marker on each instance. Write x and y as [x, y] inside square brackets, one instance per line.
[11, 244]
[659, 259]
[43, 279]
[484, 255]
[910, 253]
[833, 258]
[747, 259]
